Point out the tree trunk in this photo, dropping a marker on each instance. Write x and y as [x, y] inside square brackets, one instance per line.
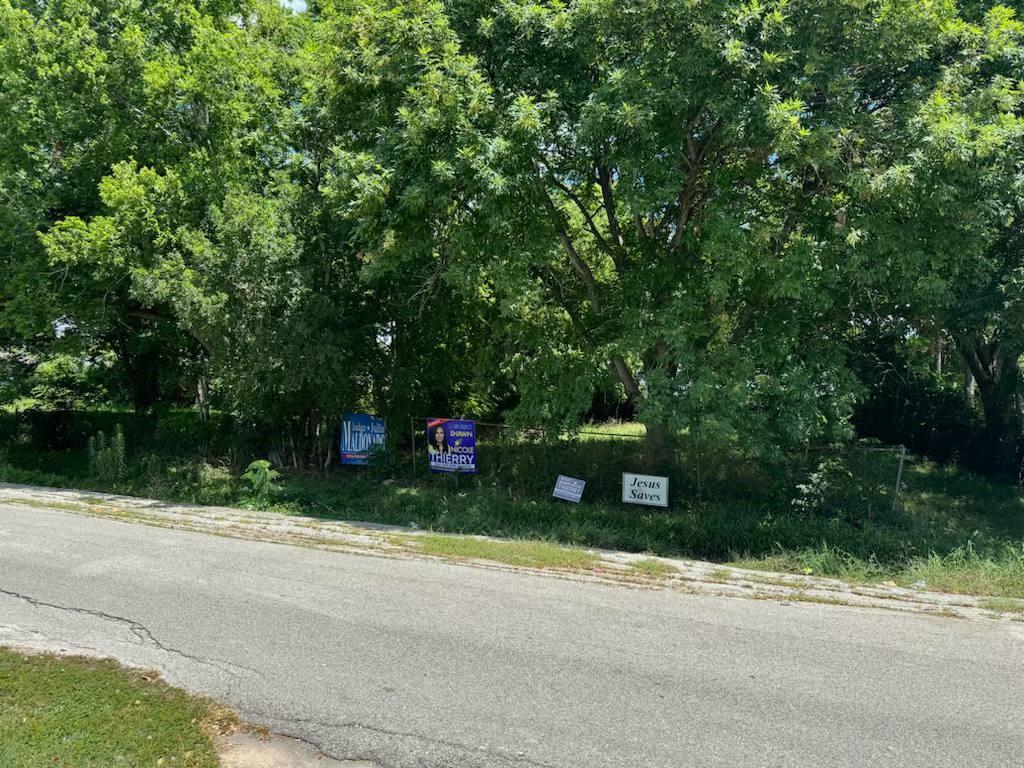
[203, 387]
[1002, 427]
[969, 385]
[998, 380]
[144, 372]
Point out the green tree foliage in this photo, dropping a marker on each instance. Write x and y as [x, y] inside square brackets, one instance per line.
[83, 88]
[938, 217]
[394, 107]
[505, 207]
[200, 229]
[640, 191]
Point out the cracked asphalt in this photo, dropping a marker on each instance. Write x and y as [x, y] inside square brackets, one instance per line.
[419, 664]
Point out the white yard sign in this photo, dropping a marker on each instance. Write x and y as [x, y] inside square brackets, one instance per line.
[645, 489]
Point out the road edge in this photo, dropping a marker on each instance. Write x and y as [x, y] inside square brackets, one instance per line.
[607, 567]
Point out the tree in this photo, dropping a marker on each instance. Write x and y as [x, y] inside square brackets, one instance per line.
[113, 105]
[504, 208]
[940, 209]
[221, 236]
[647, 191]
[83, 88]
[391, 132]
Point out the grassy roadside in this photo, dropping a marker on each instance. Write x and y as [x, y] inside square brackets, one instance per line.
[525, 554]
[1004, 605]
[84, 713]
[952, 532]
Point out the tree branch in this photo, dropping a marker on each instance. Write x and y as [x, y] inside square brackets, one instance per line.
[744, 323]
[591, 224]
[578, 264]
[149, 314]
[551, 282]
[604, 178]
[979, 369]
[641, 228]
[696, 158]
[616, 364]
[621, 369]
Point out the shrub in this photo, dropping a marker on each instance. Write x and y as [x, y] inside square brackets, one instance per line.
[261, 476]
[815, 494]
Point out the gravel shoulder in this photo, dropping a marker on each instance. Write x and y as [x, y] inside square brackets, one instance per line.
[621, 568]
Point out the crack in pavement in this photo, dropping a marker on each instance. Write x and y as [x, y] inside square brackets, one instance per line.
[39, 634]
[139, 630]
[504, 755]
[144, 636]
[361, 538]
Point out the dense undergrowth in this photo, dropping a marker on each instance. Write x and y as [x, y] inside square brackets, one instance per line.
[827, 513]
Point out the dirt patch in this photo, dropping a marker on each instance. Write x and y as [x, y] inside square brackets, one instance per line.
[251, 750]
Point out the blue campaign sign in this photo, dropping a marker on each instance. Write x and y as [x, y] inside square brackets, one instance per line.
[361, 434]
[569, 488]
[451, 445]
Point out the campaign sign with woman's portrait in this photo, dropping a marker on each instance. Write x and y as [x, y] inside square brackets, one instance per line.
[451, 445]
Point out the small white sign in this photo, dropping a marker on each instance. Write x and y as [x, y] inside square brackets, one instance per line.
[569, 488]
[645, 489]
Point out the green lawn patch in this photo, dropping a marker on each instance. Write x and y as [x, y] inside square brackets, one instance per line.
[655, 569]
[1003, 605]
[721, 574]
[59, 712]
[529, 554]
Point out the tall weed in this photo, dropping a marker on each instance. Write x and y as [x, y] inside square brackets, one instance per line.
[108, 458]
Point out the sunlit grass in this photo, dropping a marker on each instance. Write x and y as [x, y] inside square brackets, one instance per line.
[655, 569]
[58, 711]
[999, 573]
[1003, 605]
[528, 554]
[721, 574]
[613, 429]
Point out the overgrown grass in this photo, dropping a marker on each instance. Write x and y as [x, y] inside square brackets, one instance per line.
[721, 574]
[999, 573]
[651, 568]
[1003, 605]
[81, 713]
[962, 571]
[824, 514]
[824, 560]
[529, 554]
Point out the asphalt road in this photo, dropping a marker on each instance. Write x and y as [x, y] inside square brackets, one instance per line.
[416, 663]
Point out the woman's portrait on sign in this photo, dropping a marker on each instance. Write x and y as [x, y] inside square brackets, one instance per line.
[437, 440]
